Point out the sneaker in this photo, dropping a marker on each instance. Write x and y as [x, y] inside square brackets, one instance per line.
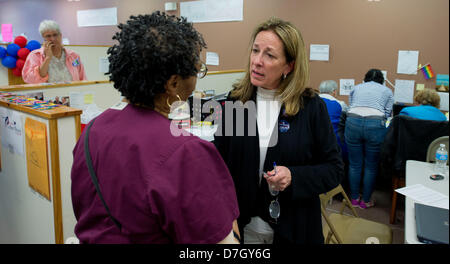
[355, 202]
[364, 205]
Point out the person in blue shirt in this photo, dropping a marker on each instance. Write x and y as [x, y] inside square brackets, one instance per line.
[428, 106]
[335, 107]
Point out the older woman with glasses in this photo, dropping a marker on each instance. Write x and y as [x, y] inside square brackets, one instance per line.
[288, 154]
[155, 186]
[52, 62]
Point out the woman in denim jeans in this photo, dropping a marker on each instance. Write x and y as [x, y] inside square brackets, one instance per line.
[370, 105]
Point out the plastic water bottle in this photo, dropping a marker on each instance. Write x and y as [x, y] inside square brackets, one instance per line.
[441, 160]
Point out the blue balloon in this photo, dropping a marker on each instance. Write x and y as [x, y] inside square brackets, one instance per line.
[9, 62]
[32, 45]
[12, 49]
[2, 52]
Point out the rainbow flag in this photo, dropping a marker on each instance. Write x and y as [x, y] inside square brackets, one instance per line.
[427, 71]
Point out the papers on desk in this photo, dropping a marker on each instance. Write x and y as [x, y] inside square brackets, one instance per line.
[425, 195]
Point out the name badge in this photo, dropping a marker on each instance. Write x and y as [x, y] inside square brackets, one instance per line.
[283, 126]
[76, 62]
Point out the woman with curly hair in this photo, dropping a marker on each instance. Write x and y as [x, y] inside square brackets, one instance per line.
[427, 108]
[151, 186]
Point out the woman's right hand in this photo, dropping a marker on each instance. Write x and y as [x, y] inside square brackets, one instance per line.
[48, 49]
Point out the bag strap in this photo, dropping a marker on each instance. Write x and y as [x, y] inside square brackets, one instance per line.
[87, 155]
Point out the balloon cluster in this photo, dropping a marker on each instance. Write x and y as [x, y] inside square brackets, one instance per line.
[15, 54]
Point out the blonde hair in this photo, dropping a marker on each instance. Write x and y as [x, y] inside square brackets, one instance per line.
[291, 88]
[428, 97]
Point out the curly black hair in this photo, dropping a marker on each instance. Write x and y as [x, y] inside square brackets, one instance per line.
[151, 49]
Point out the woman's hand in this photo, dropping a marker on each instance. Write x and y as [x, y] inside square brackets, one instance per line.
[280, 180]
[48, 49]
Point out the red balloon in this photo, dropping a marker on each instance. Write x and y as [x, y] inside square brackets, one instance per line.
[17, 72]
[23, 53]
[21, 41]
[20, 63]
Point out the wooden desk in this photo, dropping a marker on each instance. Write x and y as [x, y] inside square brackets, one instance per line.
[27, 217]
[418, 172]
[104, 93]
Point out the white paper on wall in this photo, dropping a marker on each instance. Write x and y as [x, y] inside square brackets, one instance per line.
[103, 63]
[97, 17]
[404, 91]
[212, 10]
[346, 86]
[444, 101]
[407, 62]
[212, 58]
[319, 52]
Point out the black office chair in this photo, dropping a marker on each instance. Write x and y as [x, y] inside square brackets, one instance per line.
[407, 139]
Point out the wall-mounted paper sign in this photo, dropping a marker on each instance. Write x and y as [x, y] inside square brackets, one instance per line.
[7, 33]
[444, 101]
[404, 91]
[212, 58]
[212, 10]
[97, 17]
[103, 63]
[319, 52]
[407, 61]
[37, 156]
[346, 86]
[420, 87]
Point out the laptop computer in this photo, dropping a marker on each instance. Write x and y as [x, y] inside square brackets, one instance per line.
[431, 224]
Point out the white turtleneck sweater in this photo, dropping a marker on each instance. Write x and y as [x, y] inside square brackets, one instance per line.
[268, 108]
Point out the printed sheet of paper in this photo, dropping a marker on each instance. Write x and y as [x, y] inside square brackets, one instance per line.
[11, 127]
[444, 101]
[212, 58]
[404, 91]
[97, 17]
[212, 10]
[346, 86]
[425, 195]
[319, 52]
[37, 156]
[420, 87]
[103, 63]
[407, 62]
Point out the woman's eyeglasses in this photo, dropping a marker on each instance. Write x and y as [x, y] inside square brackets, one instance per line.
[274, 207]
[49, 36]
[202, 72]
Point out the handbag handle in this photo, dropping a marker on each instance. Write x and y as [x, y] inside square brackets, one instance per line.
[87, 155]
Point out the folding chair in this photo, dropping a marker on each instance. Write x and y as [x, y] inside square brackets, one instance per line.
[351, 229]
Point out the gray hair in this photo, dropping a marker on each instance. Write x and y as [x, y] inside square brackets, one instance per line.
[47, 25]
[328, 86]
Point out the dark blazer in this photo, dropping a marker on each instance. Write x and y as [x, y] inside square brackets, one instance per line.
[310, 151]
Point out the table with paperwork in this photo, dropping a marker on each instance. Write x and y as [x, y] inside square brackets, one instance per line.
[418, 172]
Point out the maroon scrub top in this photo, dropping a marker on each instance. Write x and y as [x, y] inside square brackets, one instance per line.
[161, 188]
